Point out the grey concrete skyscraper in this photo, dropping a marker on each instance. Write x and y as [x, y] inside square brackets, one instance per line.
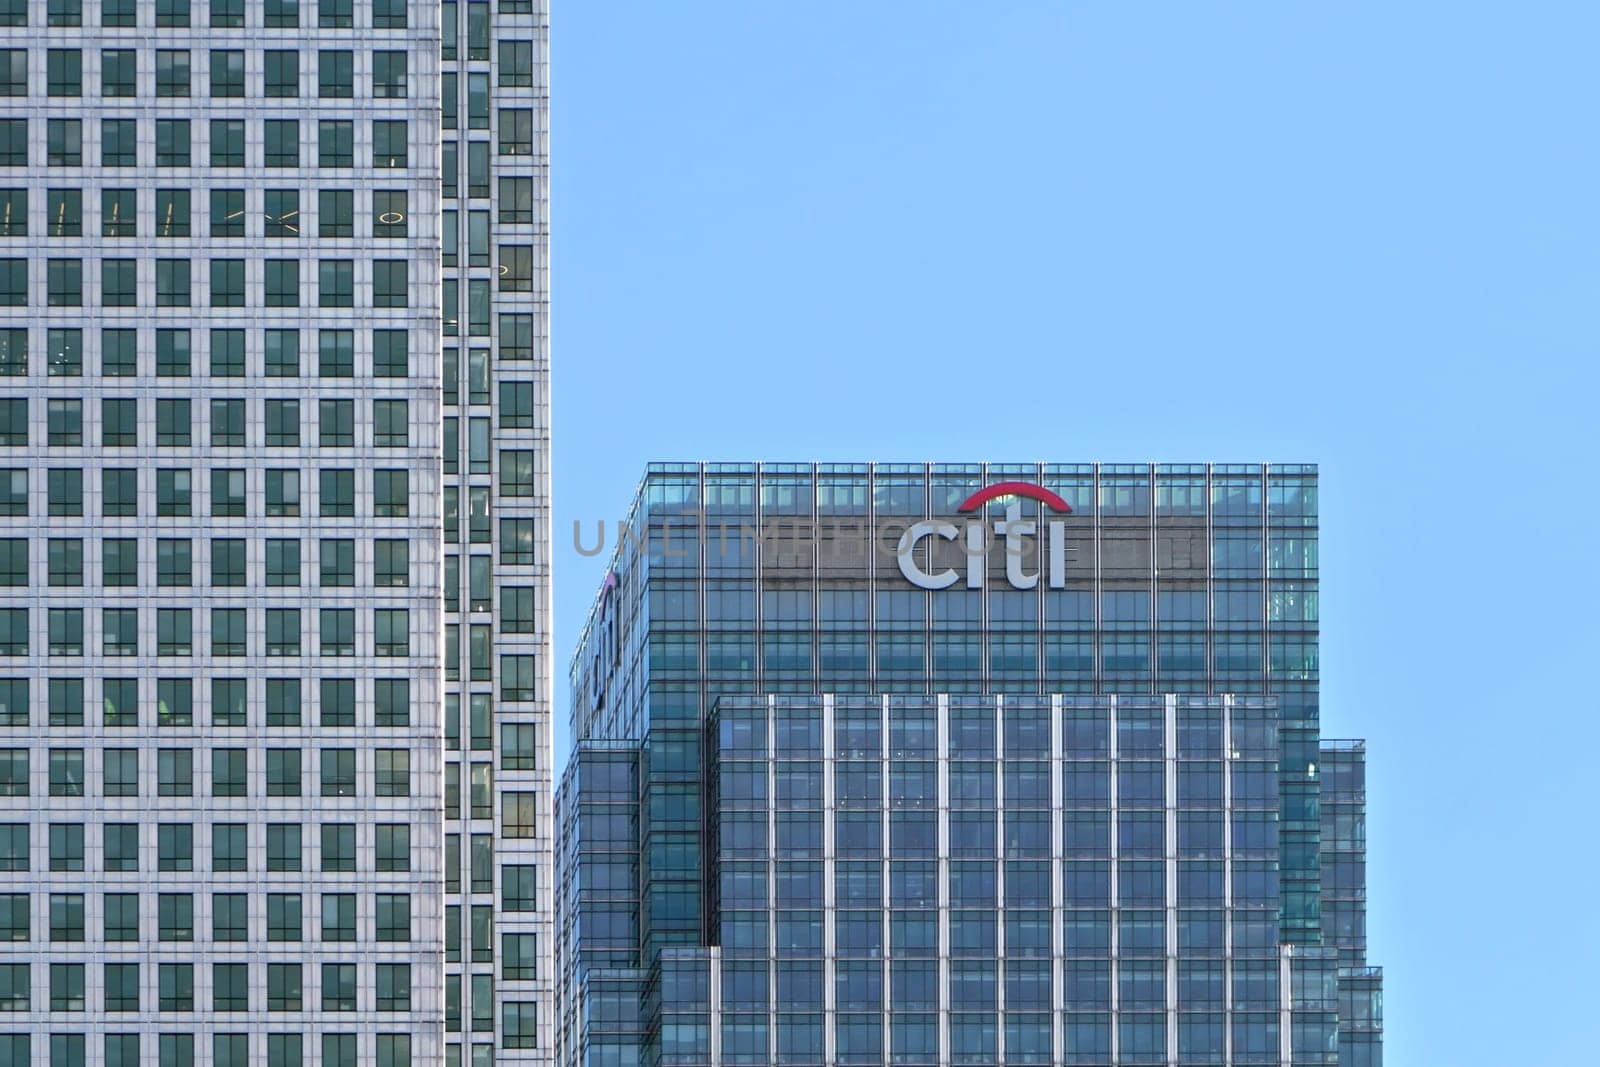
[273, 514]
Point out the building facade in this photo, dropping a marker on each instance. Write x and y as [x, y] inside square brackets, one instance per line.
[272, 318]
[943, 764]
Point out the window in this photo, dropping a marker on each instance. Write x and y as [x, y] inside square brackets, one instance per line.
[120, 628]
[66, 631]
[283, 631]
[338, 988]
[14, 846]
[120, 770]
[13, 212]
[66, 994]
[338, 855]
[284, 982]
[228, 561]
[227, 13]
[335, 283]
[516, 131]
[229, 917]
[120, 561]
[391, 493]
[283, 847]
[519, 887]
[334, 13]
[283, 353]
[227, 354]
[389, 75]
[520, 1027]
[283, 702]
[119, 283]
[175, 983]
[516, 63]
[122, 916]
[227, 631]
[119, 142]
[337, 563]
[172, 423]
[119, 424]
[172, 72]
[14, 72]
[175, 702]
[64, 72]
[175, 917]
[392, 632]
[227, 142]
[337, 631]
[393, 847]
[281, 73]
[390, 353]
[390, 283]
[338, 702]
[66, 771]
[389, 143]
[336, 213]
[14, 771]
[227, 423]
[64, 491]
[230, 987]
[281, 278]
[227, 493]
[65, 703]
[388, 14]
[281, 13]
[335, 74]
[517, 678]
[336, 423]
[516, 473]
[392, 774]
[283, 562]
[174, 632]
[391, 567]
[284, 917]
[14, 560]
[172, 212]
[282, 142]
[172, 492]
[121, 14]
[229, 847]
[172, 12]
[335, 143]
[13, 142]
[282, 492]
[172, 142]
[227, 73]
[393, 986]
[174, 283]
[389, 213]
[516, 198]
[282, 211]
[227, 283]
[13, 642]
[283, 772]
[64, 282]
[66, 846]
[65, 558]
[338, 772]
[337, 493]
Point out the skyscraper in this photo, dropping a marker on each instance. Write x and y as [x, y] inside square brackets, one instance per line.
[243, 245]
[961, 764]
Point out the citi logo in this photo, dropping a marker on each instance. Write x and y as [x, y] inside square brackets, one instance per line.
[1019, 537]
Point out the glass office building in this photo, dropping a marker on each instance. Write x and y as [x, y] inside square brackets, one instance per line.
[273, 517]
[961, 764]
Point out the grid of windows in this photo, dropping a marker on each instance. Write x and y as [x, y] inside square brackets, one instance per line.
[496, 432]
[217, 416]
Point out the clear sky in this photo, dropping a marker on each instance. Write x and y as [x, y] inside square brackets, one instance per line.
[1361, 234]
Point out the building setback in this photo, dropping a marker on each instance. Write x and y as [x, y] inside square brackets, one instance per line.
[961, 764]
[273, 525]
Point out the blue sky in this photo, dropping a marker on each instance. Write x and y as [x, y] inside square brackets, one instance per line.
[1360, 234]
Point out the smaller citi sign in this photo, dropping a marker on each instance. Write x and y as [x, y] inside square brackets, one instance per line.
[1018, 538]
